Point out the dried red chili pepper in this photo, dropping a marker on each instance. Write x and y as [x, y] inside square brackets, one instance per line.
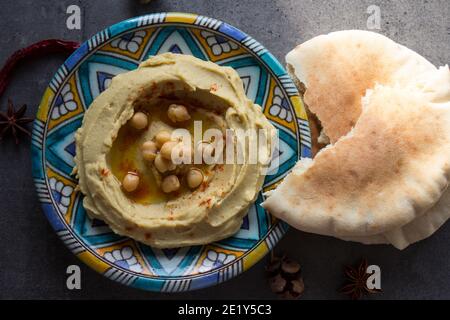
[36, 49]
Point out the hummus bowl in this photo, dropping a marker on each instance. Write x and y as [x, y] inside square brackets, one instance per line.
[87, 73]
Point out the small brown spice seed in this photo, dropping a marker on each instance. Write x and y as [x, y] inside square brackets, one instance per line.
[298, 286]
[277, 283]
[290, 266]
[274, 265]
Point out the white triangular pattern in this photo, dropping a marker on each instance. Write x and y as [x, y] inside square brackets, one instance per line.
[283, 154]
[253, 232]
[95, 67]
[245, 81]
[175, 39]
[59, 148]
[252, 72]
[170, 265]
[90, 230]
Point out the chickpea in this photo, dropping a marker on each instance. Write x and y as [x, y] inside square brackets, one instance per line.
[149, 150]
[130, 182]
[170, 184]
[163, 137]
[166, 149]
[178, 113]
[163, 165]
[139, 120]
[194, 178]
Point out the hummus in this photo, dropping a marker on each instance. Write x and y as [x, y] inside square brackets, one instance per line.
[107, 147]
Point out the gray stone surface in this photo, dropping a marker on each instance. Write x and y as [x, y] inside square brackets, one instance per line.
[32, 259]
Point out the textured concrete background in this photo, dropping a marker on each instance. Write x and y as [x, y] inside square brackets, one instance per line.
[32, 259]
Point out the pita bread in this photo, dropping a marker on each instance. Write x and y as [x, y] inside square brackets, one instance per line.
[353, 48]
[425, 225]
[418, 229]
[339, 67]
[387, 171]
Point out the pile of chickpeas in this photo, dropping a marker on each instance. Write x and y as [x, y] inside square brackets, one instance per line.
[159, 152]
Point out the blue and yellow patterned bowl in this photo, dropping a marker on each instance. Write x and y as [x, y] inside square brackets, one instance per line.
[85, 74]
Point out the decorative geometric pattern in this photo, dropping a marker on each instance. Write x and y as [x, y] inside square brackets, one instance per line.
[215, 260]
[61, 194]
[125, 258]
[280, 106]
[130, 41]
[218, 44]
[86, 74]
[64, 103]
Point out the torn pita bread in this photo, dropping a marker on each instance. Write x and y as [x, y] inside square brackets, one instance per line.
[339, 67]
[352, 49]
[418, 229]
[425, 225]
[387, 171]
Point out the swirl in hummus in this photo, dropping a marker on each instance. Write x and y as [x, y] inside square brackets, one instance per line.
[198, 203]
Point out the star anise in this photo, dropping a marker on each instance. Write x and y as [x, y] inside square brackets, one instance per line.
[14, 121]
[356, 285]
